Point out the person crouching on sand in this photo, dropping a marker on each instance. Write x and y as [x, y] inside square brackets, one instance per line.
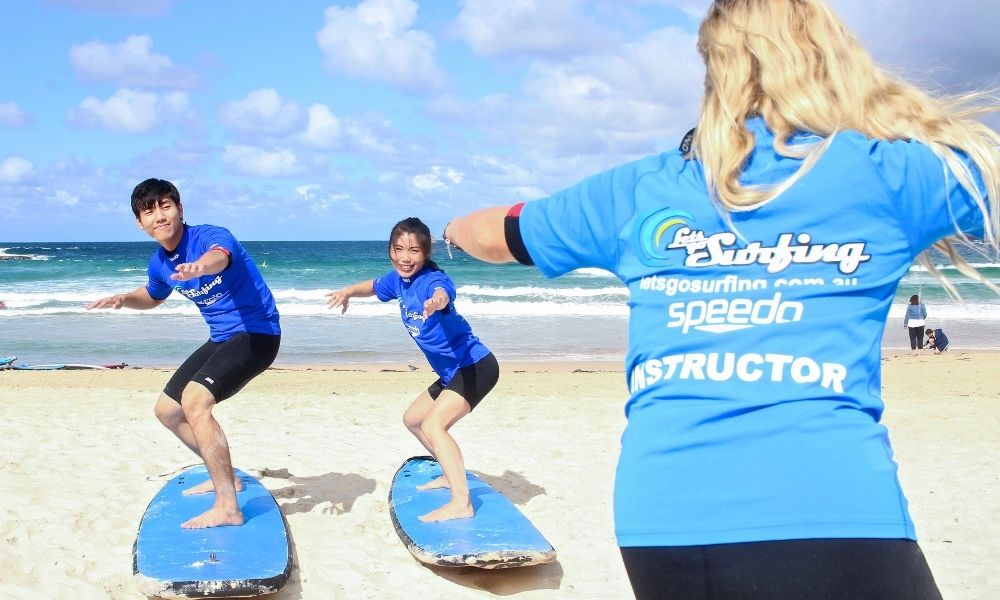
[936, 340]
[209, 266]
[466, 368]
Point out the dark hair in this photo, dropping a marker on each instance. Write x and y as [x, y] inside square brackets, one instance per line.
[930, 331]
[149, 192]
[914, 299]
[416, 227]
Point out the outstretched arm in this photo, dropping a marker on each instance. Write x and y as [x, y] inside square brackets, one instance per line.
[138, 299]
[438, 301]
[214, 261]
[341, 297]
[481, 234]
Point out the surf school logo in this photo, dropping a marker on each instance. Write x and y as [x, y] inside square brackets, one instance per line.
[654, 232]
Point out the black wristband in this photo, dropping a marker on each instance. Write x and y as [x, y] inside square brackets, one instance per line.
[512, 234]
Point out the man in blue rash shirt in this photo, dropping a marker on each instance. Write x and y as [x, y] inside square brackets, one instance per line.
[211, 268]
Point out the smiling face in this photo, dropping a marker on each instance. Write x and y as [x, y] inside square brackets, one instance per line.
[407, 255]
[163, 221]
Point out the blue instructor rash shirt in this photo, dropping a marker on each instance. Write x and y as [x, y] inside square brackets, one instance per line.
[754, 348]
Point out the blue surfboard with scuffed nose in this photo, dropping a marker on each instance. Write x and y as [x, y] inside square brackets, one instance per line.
[498, 536]
[219, 562]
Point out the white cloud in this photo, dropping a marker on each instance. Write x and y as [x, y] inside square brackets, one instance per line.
[262, 111]
[261, 163]
[366, 139]
[12, 115]
[608, 107]
[129, 111]
[440, 178]
[15, 169]
[65, 198]
[693, 8]
[374, 42]
[323, 130]
[306, 190]
[130, 63]
[955, 48]
[528, 27]
[319, 201]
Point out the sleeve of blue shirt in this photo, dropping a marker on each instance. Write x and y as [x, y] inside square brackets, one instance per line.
[933, 204]
[386, 287]
[579, 226]
[220, 237]
[439, 280]
[156, 287]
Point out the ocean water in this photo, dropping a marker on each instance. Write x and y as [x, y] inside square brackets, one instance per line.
[518, 313]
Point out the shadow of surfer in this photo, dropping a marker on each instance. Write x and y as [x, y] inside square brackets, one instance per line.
[513, 485]
[304, 494]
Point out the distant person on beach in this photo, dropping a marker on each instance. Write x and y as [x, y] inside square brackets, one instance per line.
[753, 463]
[913, 322]
[210, 267]
[466, 368]
[936, 340]
[2, 305]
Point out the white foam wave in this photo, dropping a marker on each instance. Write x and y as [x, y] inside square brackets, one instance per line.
[951, 268]
[963, 312]
[5, 255]
[620, 292]
[593, 272]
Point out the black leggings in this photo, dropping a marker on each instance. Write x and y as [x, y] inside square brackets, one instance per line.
[916, 337]
[472, 382]
[225, 367]
[822, 569]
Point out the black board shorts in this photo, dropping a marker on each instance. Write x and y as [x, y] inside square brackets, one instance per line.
[225, 367]
[812, 569]
[472, 382]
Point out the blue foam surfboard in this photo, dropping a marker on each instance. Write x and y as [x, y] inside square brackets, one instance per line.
[5, 361]
[498, 536]
[221, 562]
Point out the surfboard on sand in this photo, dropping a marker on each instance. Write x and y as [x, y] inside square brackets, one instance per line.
[219, 562]
[498, 536]
[64, 366]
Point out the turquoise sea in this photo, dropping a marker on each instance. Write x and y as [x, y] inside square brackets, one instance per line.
[518, 313]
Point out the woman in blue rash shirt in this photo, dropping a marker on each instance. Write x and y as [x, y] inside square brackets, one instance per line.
[466, 368]
[754, 464]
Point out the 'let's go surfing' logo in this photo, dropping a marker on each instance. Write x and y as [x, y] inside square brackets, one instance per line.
[655, 232]
[661, 235]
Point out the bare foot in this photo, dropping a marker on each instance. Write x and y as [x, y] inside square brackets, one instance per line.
[449, 511]
[214, 517]
[207, 486]
[440, 482]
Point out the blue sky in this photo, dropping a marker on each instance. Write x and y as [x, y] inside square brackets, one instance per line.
[310, 120]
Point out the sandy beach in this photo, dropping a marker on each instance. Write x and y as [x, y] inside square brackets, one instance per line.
[81, 455]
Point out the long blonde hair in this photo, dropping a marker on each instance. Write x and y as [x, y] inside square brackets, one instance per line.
[793, 63]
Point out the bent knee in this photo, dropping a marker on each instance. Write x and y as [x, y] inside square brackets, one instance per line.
[196, 404]
[431, 427]
[168, 412]
[412, 422]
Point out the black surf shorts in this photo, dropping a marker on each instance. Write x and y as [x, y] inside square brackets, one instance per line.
[225, 367]
[472, 382]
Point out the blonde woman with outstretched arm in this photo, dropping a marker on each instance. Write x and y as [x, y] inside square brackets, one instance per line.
[761, 258]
